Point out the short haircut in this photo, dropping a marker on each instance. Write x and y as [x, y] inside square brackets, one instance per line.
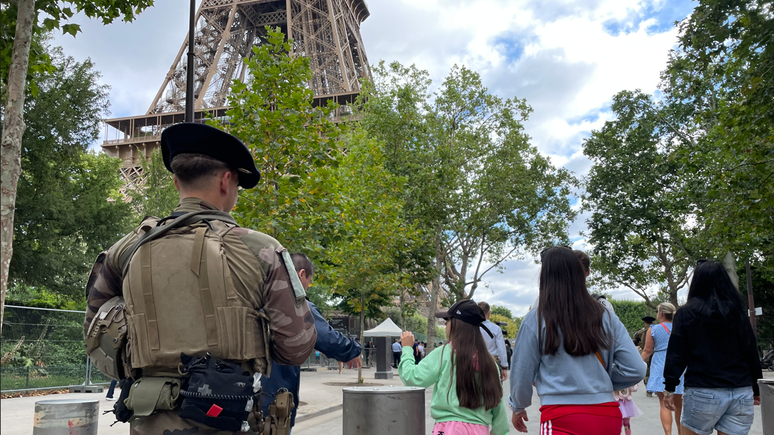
[192, 169]
[301, 261]
[584, 259]
[484, 306]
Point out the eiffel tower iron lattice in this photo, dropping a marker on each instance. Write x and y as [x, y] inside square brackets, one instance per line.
[325, 31]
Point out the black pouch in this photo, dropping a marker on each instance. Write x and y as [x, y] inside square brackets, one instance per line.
[122, 413]
[216, 393]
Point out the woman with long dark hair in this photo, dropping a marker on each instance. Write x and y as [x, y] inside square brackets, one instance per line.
[575, 351]
[713, 342]
[467, 397]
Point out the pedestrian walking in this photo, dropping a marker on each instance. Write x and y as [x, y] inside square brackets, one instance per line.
[629, 409]
[467, 397]
[656, 341]
[713, 342]
[493, 337]
[639, 341]
[111, 390]
[396, 353]
[575, 351]
[417, 353]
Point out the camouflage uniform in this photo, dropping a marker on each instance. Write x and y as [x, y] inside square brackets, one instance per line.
[259, 276]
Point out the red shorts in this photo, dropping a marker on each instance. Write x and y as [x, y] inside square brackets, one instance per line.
[602, 419]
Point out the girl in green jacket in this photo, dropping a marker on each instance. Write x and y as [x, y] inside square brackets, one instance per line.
[467, 393]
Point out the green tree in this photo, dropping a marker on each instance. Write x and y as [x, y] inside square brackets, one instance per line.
[640, 225]
[475, 186]
[155, 194]
[360, 265]
[295, 146]
[501, 311]
[721, 75]
[68, 207]
[27, 19]
[631, 313]
[510, 329]
[416, 323]
[763, 293]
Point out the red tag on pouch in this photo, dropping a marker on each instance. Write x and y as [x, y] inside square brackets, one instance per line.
[214, 411]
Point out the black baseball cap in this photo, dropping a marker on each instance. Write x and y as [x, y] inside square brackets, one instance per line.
[648, 319]
[194, 138]
[467, 311]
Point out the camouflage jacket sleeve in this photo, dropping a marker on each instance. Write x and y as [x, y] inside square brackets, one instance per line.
[293, 334]
[105, 278]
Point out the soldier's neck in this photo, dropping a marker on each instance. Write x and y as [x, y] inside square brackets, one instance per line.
[213, 200]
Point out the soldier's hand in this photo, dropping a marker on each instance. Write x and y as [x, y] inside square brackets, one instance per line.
[407, 339]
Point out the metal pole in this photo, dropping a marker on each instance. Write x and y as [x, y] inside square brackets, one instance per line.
[750, 298]
[88, 371]
[189, 109]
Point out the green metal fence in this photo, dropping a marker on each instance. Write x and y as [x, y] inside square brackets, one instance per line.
[43, 348]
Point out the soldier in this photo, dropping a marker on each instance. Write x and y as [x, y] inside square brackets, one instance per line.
[639, 341]
[197, 284]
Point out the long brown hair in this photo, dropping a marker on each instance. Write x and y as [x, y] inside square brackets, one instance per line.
[476, 386]
[570, 313]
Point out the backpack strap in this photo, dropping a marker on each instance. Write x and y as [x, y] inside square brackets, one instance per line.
[199, 267]
[160, 231]
[666, 329]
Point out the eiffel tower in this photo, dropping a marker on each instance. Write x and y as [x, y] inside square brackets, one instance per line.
[325, 31]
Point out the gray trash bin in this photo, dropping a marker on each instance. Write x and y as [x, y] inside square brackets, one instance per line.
[66, 417]
[767, 405]
[384, 411]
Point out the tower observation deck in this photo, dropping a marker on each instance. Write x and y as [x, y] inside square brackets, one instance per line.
[325, 31]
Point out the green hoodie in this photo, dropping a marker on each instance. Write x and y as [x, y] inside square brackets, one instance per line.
[432, 370]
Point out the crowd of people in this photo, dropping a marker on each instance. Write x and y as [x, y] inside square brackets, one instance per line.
[193, 303]
[580, 358]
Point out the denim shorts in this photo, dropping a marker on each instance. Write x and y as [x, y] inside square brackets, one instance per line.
[728, 410]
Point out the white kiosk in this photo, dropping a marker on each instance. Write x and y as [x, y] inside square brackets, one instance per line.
[383, 334]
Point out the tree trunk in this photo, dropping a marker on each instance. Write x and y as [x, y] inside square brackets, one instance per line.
[13, 130]
[435, 287]
[362, 328]
[403, 309]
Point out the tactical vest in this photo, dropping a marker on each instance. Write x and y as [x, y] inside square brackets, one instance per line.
[180, 298]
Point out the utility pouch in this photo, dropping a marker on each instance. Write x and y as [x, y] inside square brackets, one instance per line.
[122, 413]
[150, 394]
[278, 420]
[216, 393]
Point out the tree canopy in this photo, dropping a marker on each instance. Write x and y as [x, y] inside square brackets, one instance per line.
[68, 207]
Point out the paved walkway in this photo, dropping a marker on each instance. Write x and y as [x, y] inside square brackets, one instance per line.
[320, 410]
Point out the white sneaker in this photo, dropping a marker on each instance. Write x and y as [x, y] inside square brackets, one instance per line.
[111, 399]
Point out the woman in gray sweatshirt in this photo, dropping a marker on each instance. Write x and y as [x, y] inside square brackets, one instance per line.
[575, 352]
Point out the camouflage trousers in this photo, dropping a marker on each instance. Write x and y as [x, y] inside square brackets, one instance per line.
[169, 423]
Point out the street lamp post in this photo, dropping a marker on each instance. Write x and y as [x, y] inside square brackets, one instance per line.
[189, 85]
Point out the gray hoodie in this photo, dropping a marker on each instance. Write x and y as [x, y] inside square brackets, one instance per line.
[562, 379]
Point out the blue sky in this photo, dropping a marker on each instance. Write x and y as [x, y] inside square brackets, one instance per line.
[566, 57]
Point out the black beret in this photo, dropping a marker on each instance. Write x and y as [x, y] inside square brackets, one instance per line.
[648, 319]
[192, 138]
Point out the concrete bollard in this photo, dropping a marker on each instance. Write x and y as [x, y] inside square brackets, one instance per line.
[767, 405]
[384, 411]
[66, 417]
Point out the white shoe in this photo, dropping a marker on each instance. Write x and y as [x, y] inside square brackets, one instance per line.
[111, 399]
